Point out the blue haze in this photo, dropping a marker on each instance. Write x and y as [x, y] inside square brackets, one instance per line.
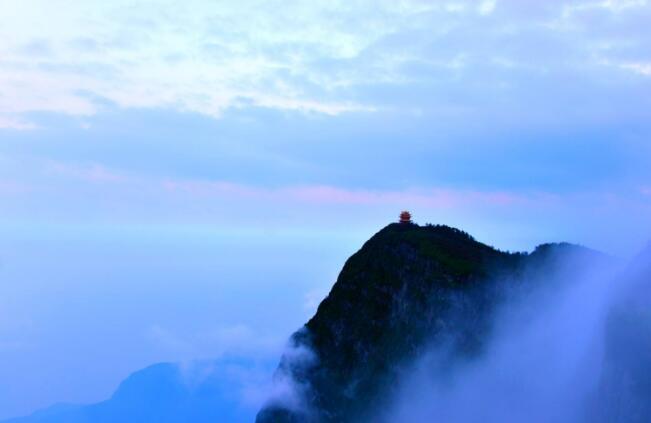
[183, 181]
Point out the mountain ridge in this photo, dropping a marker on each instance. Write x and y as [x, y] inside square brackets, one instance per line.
[407, 285]
[408, 288]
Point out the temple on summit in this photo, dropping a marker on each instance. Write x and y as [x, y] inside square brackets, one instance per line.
[405, 217]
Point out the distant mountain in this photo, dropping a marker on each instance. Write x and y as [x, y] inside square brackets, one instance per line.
[418, 291]
[408, 287]
[209, 391]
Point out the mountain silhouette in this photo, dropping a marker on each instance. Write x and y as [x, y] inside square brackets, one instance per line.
[409, 286]
[408, 291]
[198, 392]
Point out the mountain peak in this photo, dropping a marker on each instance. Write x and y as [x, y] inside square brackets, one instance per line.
[390, 295]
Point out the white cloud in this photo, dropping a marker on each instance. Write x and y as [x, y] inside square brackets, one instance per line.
[613, 6]
[618, 5]
[317, 57]
[93, 172]
[12, 122]
[487, 7]
[201, 57]
[639, 68]
[287, 391]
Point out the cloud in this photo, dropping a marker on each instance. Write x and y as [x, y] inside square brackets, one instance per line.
[12, 122]
[228, 340]
[323, 194]
[90, 173]
[200, 57]
[487, 7]
[639, 68]
[91, 193]
[251, 385]
[287, 391]
[541, 359]
[325, 58]
[609, 5]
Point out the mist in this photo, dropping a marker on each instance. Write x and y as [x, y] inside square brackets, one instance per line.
[544, 358]
[560, 334]
[83, 311]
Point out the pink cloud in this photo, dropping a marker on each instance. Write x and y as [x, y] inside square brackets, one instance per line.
[441, 198]
[214, 188]
[325, 194]
[328, 194]
[90, 173]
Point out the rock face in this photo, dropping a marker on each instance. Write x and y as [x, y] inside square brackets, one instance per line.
[408, 286]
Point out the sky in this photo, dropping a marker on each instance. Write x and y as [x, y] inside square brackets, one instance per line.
[185, 179]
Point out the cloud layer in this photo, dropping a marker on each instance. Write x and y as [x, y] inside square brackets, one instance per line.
[448, 59]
